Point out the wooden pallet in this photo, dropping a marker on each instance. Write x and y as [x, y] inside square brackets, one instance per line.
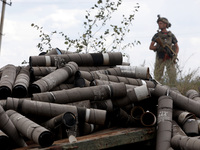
[103, 139]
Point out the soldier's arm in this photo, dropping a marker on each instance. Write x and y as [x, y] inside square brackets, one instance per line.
[176, 48]
[175, 42]
[152, 46]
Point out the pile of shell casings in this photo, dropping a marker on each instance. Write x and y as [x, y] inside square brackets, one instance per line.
[66, 95]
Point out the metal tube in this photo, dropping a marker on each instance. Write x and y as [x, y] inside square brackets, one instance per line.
[53, 79]
[30, 129]
[62, 87]
[42, 71]
[136, 112]
[90, 76]
[58, 120]
[100, 92]
[7, 126]
[164, 122]
[3, 104]
[193, 94]
[79, 81]
[103, 105]
[180, 101]
[5, 142]
[133, 96]
[21, 84]
[49, 110]
[103, 82]
[7, 81]
[137, 72]
[90, 59]
[185, 142]
[182, 116]
[190, 127]
[187, 120]
[93, 68]
[86, 128]
[148, 119]
[121, 118]
[176, 129]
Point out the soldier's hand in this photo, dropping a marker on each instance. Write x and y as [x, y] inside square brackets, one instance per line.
[175, 60]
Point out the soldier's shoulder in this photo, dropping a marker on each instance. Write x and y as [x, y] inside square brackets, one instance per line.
[170, 33]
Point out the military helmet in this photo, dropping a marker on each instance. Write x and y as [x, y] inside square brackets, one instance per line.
[165, 20]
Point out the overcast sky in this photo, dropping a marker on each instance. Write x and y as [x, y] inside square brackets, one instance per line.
[20, 39]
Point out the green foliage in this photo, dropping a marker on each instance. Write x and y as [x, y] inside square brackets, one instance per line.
[97, 29]
[188, 82]
[45, 38]
[185, 82]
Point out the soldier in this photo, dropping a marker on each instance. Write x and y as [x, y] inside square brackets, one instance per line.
[165, 44]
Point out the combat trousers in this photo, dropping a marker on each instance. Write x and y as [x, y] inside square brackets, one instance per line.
[160, 65]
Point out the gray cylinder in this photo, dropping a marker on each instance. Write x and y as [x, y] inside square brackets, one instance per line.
[121, 118]
[182, 116]
[7, 81]
[101, 92]
[193, 94]
[91, 59]
[103, 82]
[90, 76]
[103, 105]
[176, 129]
[30, 129]
[21, 84]
[180, 101]
[86, 128]
[148, 119]
[133, 95]
[137, 72]
[136, 112]
[3, 104]
[185, 142]
[39, 109]
[190, 127]
[5, 142]
[42, 71]
[164, 123]
[67, 118]
[7, 126]
[53, 79]
[93, 68]
[62, 87]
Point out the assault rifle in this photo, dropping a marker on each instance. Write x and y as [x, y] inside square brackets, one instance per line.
[167, 48]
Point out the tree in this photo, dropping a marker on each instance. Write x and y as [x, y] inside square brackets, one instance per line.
[98, 28]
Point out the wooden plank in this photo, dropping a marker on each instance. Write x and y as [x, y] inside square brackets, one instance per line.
[113, 138]
[103, 139]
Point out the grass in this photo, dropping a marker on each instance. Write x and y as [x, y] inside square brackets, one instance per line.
[185, 82]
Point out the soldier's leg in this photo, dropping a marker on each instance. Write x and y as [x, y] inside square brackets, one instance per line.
[159, 68]
[171, 71]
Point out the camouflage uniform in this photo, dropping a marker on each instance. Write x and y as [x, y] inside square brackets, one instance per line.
[162, 59]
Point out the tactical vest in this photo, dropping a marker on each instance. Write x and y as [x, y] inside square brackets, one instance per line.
[166, 39]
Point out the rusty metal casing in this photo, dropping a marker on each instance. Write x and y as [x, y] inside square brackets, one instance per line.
[49, 110]
[7, 80]
[53, 79]
[164, 122]
[7, 126]
[91, 59]
[21, 84]
[30, 129]
[100, 92]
